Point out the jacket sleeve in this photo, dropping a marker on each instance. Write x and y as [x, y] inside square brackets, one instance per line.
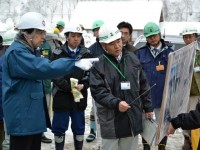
[85, 80]
[100, 90]
[187, 121]
[145, 92]
[28, 66]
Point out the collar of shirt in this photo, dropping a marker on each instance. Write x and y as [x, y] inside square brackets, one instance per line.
[73, 50]
[156, 50]
[119, 57]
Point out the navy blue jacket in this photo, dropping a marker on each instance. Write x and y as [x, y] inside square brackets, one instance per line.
[149, 64]
[96, 49]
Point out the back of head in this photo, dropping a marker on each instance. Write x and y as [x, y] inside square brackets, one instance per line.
[31, 20]
[189, 30]
[124, 24]
[9, 37]
[1, 40]
[61, 23]
[97, 24]
[108, 33]
[151, 29]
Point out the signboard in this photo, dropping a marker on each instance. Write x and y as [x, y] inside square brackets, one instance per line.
[177, 87]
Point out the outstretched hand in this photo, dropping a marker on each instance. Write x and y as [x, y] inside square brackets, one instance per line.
[86, 64]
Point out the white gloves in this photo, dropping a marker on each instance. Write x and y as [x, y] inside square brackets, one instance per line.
[86, 64]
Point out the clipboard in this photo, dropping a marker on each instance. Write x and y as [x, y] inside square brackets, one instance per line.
[149, 130]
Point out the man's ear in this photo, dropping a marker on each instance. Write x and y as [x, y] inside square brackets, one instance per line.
[103, 45]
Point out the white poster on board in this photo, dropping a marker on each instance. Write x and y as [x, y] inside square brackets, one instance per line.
[177, 87]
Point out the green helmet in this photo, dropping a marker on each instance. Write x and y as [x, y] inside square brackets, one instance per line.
[151, 29]
[60, 23]
[97, 24]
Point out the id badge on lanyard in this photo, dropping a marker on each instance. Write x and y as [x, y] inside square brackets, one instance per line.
[125, 85]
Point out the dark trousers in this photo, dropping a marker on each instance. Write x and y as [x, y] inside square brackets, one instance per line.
[60, 122]
[2, 135]
[28, 142]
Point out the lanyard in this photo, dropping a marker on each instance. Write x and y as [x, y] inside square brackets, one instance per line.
[123, 75]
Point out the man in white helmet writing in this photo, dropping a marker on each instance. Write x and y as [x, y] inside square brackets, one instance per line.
[23, 100]
[117, 83]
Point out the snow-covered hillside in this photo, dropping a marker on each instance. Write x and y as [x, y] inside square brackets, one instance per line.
[173, 10]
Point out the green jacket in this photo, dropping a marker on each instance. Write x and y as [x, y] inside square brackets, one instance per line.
[46, 51]
[195, 86]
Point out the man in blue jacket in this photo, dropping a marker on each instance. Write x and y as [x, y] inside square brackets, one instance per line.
[154, 57]
[24, 103]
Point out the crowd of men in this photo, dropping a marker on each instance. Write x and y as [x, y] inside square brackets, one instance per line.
[120, 78]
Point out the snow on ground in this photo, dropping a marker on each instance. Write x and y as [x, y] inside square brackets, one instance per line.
[175, 141]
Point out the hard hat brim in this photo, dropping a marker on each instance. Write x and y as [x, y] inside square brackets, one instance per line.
[153, 33]
[109, 40]
[187, 33]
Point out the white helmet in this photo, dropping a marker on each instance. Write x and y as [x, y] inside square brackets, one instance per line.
[108, 33]
[75, 28]
[9, 37]
[189, 30]
[31, 20]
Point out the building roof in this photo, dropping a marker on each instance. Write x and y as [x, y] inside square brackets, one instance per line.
[138, 13]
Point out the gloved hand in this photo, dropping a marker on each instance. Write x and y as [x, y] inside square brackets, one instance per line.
[86, 64]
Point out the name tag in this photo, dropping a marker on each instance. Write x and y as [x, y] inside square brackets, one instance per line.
[196, 69]
[160, 67]
[125, 85]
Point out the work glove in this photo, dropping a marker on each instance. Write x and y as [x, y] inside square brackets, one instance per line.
[85, 64]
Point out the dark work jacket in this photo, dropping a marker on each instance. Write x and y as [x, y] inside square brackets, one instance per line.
[96, 49]
[62, 97]
[105, 88]
[188, 121]
[149, 64]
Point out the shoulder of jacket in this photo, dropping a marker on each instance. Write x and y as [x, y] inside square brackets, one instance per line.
[57, 51]
[143, 48]
[83, 48]
[170, 47]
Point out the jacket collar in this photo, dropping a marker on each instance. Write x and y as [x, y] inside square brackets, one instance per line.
[20, 38]
[80, 53]
[124, 53]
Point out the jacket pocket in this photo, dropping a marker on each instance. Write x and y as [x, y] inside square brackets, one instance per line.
[146, 64]
[37, 96]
